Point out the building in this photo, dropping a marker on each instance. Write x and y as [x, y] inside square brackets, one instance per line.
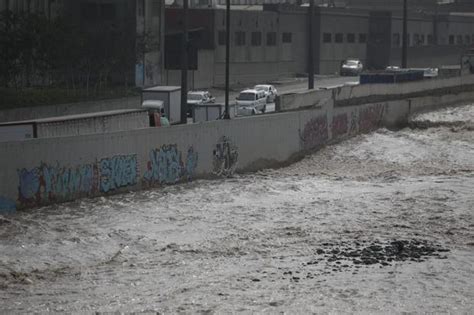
[271, 41]
[264, 44]
[150, 23]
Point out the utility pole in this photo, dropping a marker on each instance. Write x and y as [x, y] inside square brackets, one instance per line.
[227, 60]
[6, 48]
[405, 35]
[311, 45]
[184, 65]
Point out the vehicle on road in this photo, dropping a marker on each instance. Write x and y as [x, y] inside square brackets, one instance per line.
[250, 102]
[198, 98]
[270, 91]
[392, 68]
[351, 67]
[427, 72]
[156, 113]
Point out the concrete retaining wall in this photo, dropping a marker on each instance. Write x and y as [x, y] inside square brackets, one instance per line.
[37, 112]
[84, 124]
[360, 94]
[45, 171]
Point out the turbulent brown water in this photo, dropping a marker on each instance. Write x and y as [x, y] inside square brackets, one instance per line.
[379, 223]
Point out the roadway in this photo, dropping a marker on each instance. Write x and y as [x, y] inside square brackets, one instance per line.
[291, 86]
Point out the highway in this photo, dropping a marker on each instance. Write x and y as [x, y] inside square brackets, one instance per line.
[292, 86]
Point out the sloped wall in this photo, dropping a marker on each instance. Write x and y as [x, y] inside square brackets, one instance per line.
[46, 171]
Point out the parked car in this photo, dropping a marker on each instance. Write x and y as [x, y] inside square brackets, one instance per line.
[392, 68]
[351, 67]
[198, 98]
[270, 91]
[250, 102]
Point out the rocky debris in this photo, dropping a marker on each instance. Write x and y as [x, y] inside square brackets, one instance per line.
[351, 257]
[383, 253]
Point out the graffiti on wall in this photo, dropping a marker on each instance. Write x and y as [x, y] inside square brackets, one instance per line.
[54, 183]
[46, 183]
[340, 125]
[354, 124]
[166, 165]
[191, 163]
[118, 172]
[7, 206]
[225, 157]
[371, 117]
[315, 133]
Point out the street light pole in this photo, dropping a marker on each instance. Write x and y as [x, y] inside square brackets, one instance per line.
[311, 45]
[227, 60]
[405, 35]
[184, 65]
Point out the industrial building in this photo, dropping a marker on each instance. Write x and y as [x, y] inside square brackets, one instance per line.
[271, 40]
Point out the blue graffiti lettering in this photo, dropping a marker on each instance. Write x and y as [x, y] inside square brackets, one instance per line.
[46, 184]
[29, 183]
[7, 206]
[166, 165]
[191, 163]
[117, 172]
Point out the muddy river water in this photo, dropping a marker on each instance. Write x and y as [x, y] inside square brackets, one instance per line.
[379, 223]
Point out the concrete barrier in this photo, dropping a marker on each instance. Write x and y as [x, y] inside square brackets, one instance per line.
[45, 171]
[38, 112]
[312, 98]
[360, 94]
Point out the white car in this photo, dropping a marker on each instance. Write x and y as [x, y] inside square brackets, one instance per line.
[270, 91]
[351, 67]
[198, 98]
[250, 102]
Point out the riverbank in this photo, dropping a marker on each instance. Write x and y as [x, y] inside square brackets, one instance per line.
[40, 172]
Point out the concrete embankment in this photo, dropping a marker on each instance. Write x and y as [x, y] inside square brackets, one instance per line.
[44, 171]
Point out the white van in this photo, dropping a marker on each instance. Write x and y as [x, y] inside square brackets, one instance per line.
[249, 102]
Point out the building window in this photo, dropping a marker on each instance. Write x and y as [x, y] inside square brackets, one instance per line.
[430, 39]
[327, 38]
[286, 38]
[271, 39]
[351, 38]
[221, 38]
[240, 38]
[396, 40]
[362, 38]
[256, 39]
[416, 40]
[467, 40]
[451, 40]
[459, 40]
[339, 38]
